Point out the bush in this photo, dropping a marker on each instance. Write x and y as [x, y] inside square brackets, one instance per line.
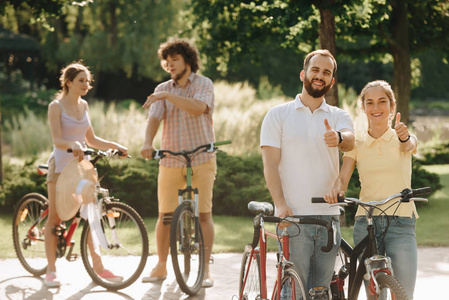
[435, 155]
[239, 181]
[134, 181]
[19, 180]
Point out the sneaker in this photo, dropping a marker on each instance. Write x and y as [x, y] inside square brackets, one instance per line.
[207, 283]
[159, 273]
[51, 280]
[109, 276]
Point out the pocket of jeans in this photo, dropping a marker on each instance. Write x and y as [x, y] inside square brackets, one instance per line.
[360, 219]
[405, 221]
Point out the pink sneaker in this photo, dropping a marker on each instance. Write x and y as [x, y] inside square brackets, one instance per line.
[109, 276]
[51, 280]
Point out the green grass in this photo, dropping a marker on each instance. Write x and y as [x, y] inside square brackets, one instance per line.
[233, 233]
[432, 227]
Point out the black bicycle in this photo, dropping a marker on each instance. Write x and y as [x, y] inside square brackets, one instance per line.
[376, 268]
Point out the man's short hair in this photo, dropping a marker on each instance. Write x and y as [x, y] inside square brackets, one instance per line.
[182, 47]
[323, 52]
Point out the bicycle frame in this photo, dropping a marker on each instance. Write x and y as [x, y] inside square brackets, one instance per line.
[75, 221]
[283, 257]
[189, 190]
[367, 250]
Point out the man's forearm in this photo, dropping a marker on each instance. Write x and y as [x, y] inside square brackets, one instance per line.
[348, 141]
[190, 105]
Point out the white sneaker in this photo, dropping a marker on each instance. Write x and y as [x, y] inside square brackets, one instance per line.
[51, 280]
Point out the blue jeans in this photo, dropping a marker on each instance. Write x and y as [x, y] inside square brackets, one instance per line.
[399, 244]
[314, 267]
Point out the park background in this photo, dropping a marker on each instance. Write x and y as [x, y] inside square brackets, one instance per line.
[253, 51]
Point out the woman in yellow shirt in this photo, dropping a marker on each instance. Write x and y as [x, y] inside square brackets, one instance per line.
[384, 161]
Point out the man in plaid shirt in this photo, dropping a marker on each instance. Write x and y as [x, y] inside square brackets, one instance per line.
[185, 104]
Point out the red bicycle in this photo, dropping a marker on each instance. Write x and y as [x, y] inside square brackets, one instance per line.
[253, 273]
[127, 240]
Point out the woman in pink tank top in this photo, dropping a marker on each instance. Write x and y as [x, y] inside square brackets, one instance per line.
[70, 129]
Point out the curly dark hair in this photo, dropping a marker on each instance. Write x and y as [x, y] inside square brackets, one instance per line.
[182, 47]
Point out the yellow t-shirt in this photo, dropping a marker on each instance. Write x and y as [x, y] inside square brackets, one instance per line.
[384, 170]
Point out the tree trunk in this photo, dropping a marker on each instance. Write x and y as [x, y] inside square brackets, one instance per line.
[327, 41]
[1, 155]
[400, 49]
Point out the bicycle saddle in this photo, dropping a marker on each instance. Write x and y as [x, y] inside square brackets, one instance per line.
[260, 207]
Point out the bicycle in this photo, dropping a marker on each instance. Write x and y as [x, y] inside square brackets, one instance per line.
[253, 273]
[376, 268]
[186, 236]
[123, 227]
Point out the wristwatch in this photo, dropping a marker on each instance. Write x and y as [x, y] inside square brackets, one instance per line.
[340, 136]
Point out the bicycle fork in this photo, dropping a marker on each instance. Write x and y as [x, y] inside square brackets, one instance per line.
[196, 212]
[371, 272]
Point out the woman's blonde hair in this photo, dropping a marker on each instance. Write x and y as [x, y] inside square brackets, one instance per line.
[69, 73]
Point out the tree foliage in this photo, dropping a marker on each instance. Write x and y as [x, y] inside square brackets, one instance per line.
[365, 29]
[116, 37]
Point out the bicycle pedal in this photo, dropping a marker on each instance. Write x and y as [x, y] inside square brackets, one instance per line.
[72, 257]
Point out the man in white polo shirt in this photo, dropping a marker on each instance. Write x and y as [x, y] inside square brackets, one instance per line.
[300, 143]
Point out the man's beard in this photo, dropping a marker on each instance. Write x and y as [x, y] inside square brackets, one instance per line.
[315, 93]
[177, 77]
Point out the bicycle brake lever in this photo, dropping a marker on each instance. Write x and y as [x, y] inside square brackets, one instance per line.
[211, 148]
[156, 154]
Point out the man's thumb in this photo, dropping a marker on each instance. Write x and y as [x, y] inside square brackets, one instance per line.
[326, 123]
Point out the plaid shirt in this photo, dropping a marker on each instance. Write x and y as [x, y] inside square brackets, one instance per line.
[181, 130]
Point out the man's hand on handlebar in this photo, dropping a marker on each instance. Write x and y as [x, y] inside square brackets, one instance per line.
[147, 151]
[282, 212]
[332, 196]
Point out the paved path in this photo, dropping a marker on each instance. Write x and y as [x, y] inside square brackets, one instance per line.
[16, 283]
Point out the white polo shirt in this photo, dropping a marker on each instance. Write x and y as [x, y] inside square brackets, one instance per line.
[308, 167]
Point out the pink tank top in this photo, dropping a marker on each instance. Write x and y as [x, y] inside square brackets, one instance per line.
[72, 130]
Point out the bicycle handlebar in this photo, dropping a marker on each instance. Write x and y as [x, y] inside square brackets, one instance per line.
[100, 154]
[406, 195]
[321, 199]
[264, 211]
[159, 154]
[108, 153]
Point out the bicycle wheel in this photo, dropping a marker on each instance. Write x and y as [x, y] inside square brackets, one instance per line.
[127, 251]
[390, 288]
[187, 249]
[291, 286]
[251, 288]
[28, 233]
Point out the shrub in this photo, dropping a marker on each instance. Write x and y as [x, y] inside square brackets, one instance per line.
[438, 154]
[19, 180]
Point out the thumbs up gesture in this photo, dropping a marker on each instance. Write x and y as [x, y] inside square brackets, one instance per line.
[330, 136]
[401, 129]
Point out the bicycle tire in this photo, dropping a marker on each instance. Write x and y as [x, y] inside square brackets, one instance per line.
[31, 253]
[390, 288]
[187, 256]
[127, 251]
[251, 289]
[289, 282]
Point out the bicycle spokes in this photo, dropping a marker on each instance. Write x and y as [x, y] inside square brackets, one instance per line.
[127, 247]
[28, 233]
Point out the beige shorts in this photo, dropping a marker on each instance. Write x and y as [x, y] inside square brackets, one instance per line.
[172, 179]
[51, 175]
